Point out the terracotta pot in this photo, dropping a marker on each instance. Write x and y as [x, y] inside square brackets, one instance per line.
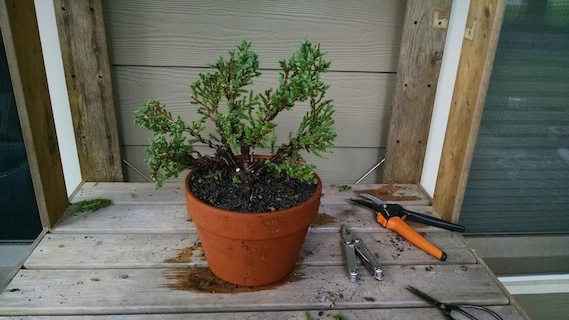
[252, 249]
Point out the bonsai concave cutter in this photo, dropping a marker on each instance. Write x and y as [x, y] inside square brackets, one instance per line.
[355, 248]
[392, 216]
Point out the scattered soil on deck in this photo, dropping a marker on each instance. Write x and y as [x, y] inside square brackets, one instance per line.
[391, 192]
[400, 245]
[323, 219]
[185, 255]
[200, 279]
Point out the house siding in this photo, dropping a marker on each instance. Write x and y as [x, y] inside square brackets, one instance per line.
[157, 49]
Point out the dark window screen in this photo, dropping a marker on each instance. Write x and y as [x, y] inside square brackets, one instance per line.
[19, 218]
[519, 179]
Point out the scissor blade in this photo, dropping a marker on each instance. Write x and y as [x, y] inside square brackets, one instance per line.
[347, 235]
[372, 198]
[424, 296]
[372, 205]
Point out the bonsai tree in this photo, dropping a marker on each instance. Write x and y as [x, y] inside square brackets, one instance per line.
[235, 122]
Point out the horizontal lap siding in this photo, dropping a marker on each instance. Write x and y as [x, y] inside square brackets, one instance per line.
[157, 50]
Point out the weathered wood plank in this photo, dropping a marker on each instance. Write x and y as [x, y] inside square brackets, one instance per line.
[27, 71]
[88, 76]
[159, 218]
[469, 94]
[361, 100]
[113, 251]
[362, 37]
[132, 291]
[173, 193]
[420, 59]
[164, 218]
[506, 312]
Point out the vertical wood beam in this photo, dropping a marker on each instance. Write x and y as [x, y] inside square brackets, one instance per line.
[474, 69]
[27, 71]
[87, 72]
[420, 58]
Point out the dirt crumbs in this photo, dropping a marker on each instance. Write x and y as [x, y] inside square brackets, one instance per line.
[399, 244]
[392, 192]
[202, 280]
[323, 219]
[186, 255]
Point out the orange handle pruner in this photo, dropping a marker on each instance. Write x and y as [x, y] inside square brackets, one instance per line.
[389, 216]
[398, 225]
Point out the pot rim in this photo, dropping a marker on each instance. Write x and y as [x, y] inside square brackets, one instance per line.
[317, 193]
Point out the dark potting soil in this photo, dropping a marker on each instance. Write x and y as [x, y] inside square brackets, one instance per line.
[267, 194]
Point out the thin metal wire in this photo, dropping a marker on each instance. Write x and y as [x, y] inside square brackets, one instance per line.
[370, 171]
[137, 171]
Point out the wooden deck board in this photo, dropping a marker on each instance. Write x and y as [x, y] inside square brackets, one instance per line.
[507, 312]
[173, 193]
[134, 258]
[84, 251]
[167, 218]
[127, 291]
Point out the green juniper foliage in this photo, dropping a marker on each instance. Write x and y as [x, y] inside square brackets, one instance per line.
[90, 205]
[244, 121]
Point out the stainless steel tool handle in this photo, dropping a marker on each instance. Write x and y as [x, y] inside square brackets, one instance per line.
[353, 270]
[369, 260]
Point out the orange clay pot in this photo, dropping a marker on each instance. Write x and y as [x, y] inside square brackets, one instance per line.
[252, 249]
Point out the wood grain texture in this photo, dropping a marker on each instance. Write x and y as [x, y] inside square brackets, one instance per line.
[130, 258]
[362, 36]
[120, 291]
[87, 73]
[23, 50]
[173, 193]
[139, 208]
[469, 94]
[420, 59]
[123, 251]
[361, 101]
[507, 312]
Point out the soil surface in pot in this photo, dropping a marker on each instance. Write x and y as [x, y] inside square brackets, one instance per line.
[267, 195]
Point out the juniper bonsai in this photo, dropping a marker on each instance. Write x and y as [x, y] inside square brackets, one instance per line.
[243, 121]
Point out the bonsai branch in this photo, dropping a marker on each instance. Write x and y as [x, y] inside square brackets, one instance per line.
[248, 121]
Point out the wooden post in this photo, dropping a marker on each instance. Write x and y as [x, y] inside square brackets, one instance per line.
[475, 66]
[420, 57]
[88, 76]
[27, 70]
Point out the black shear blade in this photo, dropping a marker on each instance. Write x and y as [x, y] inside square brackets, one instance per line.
[372, 205]
[432, 221]
[424, 296]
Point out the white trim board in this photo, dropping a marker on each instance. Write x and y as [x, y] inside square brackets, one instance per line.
[49, 39]
[536, 284]
[443, 98]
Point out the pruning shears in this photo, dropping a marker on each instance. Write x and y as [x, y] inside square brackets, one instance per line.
[392, 216]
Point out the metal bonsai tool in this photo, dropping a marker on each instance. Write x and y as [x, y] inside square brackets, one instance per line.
[355, 248]
[447, 308]
[391, 216]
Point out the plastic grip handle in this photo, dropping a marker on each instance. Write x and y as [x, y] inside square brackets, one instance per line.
[402, 228]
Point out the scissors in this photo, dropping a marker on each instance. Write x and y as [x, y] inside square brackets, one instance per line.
[391, 216]
[447, 308]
